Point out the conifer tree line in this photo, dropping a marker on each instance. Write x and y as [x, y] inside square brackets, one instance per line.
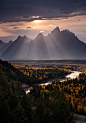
[17, 107]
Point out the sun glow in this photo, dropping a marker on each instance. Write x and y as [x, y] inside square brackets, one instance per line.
[36, 21]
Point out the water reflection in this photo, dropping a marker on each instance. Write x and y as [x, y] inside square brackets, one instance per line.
[73, 75]
[81, 121]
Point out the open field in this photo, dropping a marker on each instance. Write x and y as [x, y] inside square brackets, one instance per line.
[39, 63]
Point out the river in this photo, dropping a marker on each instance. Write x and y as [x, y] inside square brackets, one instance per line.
[73, 75]
[81, 121]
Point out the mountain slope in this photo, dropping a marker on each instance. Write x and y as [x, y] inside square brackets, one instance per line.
[4, 47]
[13, 73]
[72, 46]
[17, 49]
[2, 44]
[57, 45]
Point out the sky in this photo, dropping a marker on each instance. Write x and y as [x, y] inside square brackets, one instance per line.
[31, 17]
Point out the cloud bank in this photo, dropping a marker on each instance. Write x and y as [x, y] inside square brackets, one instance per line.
[29, 10]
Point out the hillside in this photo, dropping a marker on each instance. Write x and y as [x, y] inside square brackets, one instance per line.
[38, 107]
[29, 75]
[13, 73]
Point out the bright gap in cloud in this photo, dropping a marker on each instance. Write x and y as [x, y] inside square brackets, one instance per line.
[36, 21]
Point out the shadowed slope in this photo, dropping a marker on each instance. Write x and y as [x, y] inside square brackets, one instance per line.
[17, 49]
[2, 44]
[2, 49]
[57, 45]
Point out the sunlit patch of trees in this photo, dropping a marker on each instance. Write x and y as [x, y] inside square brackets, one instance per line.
[75, 94]
[43, 73]
[74, 91]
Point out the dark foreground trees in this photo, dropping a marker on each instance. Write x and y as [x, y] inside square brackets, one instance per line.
[54, 109]
[15, 105]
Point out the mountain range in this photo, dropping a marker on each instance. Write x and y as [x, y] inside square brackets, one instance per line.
[57, 45]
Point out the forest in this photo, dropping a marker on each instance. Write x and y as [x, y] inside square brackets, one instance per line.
[74, 91]
[42, 105]
[43, 73]
[31, 75]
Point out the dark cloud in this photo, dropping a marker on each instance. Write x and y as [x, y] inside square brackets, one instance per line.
[29, 27]
[15, 28]
[13, 25]
[23, 10]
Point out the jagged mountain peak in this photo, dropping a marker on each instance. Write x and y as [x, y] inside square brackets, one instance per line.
[68, 32]
[55, 31]
[10, 41]
[40, 35]
[19, 37]
[58, 44]
[23, 38]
